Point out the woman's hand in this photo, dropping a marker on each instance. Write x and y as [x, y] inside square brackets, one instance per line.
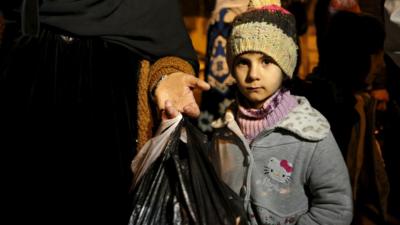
[174, 94]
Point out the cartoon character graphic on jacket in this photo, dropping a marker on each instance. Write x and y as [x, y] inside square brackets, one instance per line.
[278, 174]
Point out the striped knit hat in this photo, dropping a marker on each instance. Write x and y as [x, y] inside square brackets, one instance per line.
[268, 28]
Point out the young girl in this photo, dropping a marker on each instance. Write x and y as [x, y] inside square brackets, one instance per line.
[273, 148]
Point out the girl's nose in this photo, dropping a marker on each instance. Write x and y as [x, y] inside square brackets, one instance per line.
[253, 73]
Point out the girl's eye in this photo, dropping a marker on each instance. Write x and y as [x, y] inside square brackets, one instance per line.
[283, 175]
[266, 61]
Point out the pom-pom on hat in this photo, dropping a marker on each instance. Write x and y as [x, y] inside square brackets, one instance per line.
[268, 28]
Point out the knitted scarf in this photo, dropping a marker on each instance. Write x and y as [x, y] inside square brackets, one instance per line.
[275, 108]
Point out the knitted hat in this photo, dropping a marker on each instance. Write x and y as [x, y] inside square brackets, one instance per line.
[268, 28]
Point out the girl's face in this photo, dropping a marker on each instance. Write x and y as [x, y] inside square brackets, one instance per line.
[257, 77]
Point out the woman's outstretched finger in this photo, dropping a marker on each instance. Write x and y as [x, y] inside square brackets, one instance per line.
[197, 83]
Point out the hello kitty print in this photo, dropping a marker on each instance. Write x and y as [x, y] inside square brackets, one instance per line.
[278, 175]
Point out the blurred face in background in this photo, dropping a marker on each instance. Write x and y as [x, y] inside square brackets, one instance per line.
[376, 68]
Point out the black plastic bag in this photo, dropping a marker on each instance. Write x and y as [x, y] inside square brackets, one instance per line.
[181, 187]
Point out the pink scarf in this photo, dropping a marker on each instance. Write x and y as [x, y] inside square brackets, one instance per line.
[275, 108]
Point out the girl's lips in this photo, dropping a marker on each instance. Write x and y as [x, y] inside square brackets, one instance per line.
[253, 88]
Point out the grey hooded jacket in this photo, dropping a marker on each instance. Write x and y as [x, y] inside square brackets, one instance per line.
[293, 173]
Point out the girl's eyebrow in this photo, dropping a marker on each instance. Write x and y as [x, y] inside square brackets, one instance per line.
[267, 57]
[242, 59]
